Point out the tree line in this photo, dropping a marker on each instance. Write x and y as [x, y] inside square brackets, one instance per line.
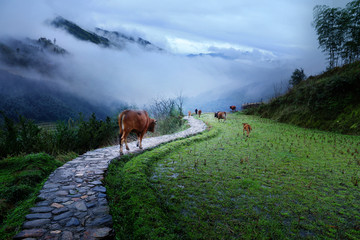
[24, 136]
[338, 31]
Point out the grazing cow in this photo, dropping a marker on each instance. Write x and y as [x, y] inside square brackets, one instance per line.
[196, 111]
[199, 112]
[221, 115]
[247, 128]
[134, 121]
[233, 108]
[189, 113]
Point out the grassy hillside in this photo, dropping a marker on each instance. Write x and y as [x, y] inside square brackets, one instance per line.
[283, 182]
[330, 101]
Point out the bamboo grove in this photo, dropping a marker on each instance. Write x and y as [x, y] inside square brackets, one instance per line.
[338, 31]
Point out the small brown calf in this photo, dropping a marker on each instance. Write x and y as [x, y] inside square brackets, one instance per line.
[247, 128]
[221, 115]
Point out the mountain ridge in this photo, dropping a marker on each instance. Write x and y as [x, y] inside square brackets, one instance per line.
[102, 37]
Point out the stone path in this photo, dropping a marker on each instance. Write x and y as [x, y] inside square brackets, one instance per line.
[73, 200]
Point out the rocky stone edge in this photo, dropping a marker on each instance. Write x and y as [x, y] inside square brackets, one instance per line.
[73, 202]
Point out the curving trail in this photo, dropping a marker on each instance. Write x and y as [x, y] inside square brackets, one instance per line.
[73, 202]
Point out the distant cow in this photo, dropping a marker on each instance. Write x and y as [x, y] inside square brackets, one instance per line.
[189, 113]
[247, 128]
[233, 108]
[134, 121]
[196, 111]
[220, 115]
[199, 112]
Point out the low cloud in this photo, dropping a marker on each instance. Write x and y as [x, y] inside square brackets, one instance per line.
[252, 65]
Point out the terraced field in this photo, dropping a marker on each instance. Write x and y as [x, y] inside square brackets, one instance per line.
[283, 182]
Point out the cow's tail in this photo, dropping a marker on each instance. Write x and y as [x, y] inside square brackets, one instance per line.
[121, 126]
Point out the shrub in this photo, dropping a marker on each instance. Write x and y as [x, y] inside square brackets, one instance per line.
[64, 137]
[168, 114]
[93, 133]
[27, 137]
[18, 192]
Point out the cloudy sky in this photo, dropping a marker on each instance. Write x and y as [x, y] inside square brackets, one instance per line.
[261, 42]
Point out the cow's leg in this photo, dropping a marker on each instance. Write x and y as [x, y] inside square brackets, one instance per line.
[124, 139]
[121, 144]
[126, 144]
[140, 140]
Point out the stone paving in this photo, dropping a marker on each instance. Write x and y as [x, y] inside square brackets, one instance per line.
[73, 202]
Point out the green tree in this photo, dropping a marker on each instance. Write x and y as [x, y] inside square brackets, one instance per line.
[331, 33]
[338, 32]
[297, 77]
[353, 26]
[9, 136]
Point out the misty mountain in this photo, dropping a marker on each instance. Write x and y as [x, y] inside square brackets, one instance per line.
[78, 32]
[31, 54]
[43, 101]
[102, 37]
[121, 40]
[42, 96]
[48, 82]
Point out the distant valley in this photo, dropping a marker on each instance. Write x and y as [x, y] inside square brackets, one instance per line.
[30, 70]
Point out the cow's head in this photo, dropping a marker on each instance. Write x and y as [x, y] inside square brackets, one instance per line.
[152, 124]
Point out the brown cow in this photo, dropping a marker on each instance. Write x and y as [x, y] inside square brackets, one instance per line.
[233, 108]
[134, 121]
[199, 112]
[221, 115]
[247, 128]
[189, 113]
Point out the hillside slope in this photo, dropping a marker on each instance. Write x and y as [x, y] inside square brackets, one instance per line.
[330, 101]
[43, 101]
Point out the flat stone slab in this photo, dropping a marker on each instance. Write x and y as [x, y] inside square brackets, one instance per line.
[73, 200]
[31, 233]
[36, 223]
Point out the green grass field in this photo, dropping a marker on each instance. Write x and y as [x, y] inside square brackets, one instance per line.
[283, 182]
